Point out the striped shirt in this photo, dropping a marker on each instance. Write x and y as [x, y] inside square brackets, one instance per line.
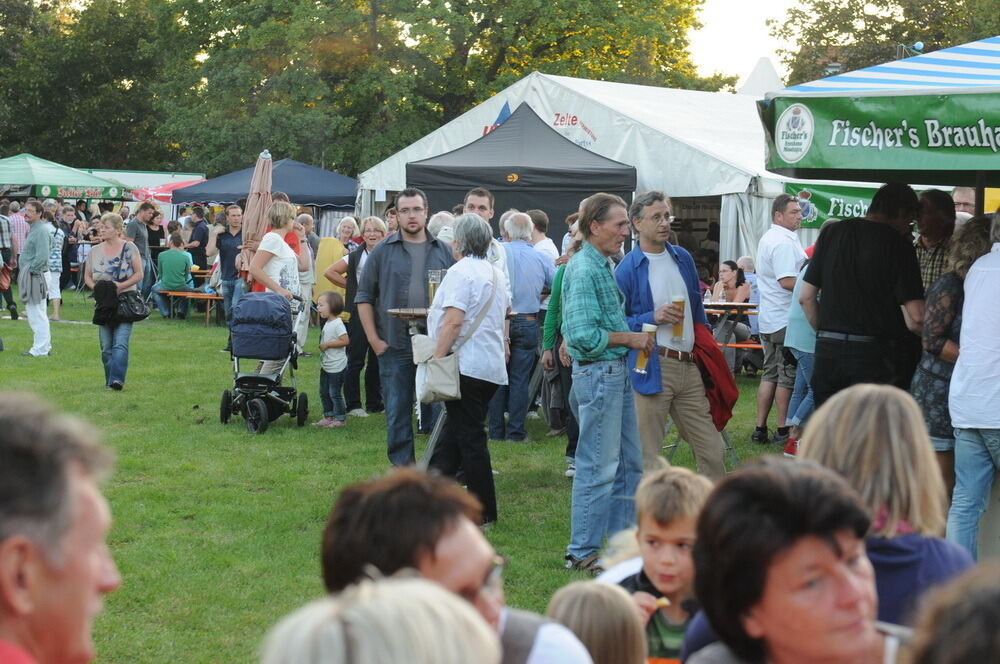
[592, 306]
[5, 233]
[20, 229]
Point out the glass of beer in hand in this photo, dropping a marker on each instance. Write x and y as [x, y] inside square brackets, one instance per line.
[678, 329]
[643, 357]
[433, 281]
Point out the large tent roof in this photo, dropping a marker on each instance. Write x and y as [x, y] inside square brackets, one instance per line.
[47, 178]
[523, 152]
[685, 142]
[304, 184]
[972, 65]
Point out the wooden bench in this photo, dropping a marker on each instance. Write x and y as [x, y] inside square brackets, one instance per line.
[211, 300]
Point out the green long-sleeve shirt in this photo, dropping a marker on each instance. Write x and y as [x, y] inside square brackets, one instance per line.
[593, 306]
[553, 319]
[37, 246]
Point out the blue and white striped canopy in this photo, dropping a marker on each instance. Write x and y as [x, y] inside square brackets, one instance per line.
[976, 64]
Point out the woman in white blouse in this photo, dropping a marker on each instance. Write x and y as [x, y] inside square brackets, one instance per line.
[470, 286]
[275, 265]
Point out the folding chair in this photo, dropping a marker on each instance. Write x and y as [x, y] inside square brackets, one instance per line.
[730, 451]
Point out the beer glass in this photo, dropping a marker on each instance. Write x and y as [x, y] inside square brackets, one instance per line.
[433, 281]
[678, 328]
[643, 357]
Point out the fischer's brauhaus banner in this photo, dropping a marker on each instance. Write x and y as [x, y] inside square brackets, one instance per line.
[940, 132]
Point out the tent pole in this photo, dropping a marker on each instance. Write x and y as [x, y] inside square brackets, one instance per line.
[980, 191]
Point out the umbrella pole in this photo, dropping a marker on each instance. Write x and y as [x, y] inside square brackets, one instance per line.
[980, 192]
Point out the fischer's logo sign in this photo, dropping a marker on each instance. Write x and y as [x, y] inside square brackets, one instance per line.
[793, 133]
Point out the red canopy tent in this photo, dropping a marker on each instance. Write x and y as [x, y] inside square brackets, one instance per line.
[161, 192]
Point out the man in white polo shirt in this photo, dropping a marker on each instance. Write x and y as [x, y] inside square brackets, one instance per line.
[779, 259]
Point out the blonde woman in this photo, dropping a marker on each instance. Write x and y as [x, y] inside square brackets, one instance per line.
[384, 622]
[604, 618]
[117, 261]
[874, 436]
[275, 265]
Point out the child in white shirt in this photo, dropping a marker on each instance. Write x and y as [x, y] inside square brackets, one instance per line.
[333, 344]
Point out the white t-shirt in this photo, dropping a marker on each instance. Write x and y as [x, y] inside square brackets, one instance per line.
[283, 268]
[779, 255]
[334, 360]
[975, 384]
[665, 281]
[467, 286]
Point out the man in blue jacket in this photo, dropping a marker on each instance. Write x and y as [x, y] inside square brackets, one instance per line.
[654, 276]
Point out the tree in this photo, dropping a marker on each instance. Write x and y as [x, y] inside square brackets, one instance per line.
[348, 84]
[78, 92]
[862, 33]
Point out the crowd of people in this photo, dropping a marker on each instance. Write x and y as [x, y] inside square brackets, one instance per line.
[830, 557]
[879, 356]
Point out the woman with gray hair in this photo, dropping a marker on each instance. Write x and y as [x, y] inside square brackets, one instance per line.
[468, 317]
[347, 230]
[389, 620]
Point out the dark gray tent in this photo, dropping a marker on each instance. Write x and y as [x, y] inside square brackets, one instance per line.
[304, 184]
[526, 165]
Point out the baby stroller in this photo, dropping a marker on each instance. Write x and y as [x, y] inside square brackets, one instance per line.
[262, 329]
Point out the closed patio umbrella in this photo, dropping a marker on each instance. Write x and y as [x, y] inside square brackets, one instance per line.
[254, 216]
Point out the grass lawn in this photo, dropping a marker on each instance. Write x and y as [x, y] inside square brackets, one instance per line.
[217, 531]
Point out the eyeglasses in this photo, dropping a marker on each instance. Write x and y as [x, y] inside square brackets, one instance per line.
[492, 581]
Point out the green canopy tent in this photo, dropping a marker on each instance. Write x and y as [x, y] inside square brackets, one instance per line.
[929, 118]
[28, 175]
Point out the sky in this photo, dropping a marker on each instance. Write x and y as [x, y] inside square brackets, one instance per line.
[735, 36]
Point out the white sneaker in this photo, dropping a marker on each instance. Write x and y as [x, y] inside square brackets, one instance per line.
[570, 468]
[532, 415]
[358, 412]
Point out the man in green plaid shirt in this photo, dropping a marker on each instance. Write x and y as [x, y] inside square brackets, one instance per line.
[609, 454]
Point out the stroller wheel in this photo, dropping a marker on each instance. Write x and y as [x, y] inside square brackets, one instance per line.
[302, 409]
[226, 407]
[256, 416]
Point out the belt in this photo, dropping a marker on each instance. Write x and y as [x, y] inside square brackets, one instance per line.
[584, 363]
[675, 354]
[525, 317]
[839, 336]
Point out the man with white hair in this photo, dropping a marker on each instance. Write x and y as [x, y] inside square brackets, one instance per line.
[529, 272]
[438, 221]
[965, 199]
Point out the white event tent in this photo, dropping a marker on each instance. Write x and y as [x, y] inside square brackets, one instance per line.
[687, 143]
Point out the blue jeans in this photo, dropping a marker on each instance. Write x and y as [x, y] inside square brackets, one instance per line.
[147, 278]
[977, 460]
[163, 302]
[802, 403]
[397, 373]
[608, 455]
[232, 291]
[332, 395]
[114, 351]
[513, 398]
